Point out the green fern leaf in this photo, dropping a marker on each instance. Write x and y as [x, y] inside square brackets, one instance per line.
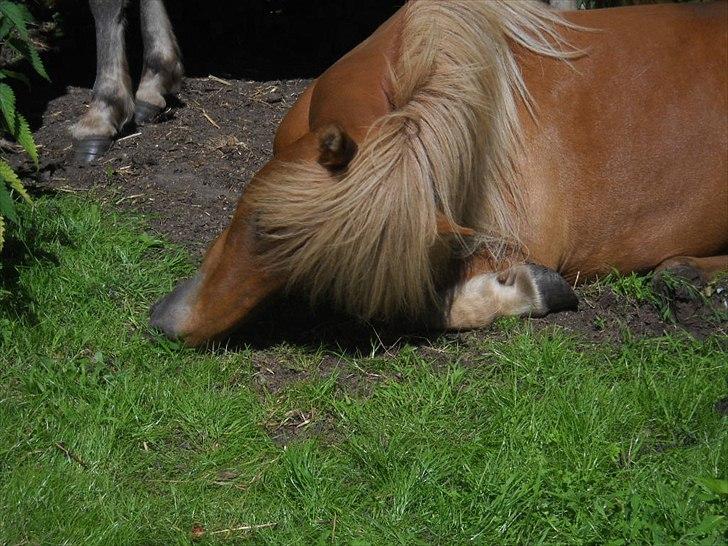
[25, 139]
[5, 74]
[7, 206]
[17, 16]
[6, 25]
[25, 13]
[7, 105]
[29, 52]
[11, 178]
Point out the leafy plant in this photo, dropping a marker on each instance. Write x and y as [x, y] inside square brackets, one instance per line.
[15, 36]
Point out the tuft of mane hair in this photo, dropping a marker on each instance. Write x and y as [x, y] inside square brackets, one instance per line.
[366, 237]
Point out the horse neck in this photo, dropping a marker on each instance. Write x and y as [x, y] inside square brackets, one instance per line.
[356, 91]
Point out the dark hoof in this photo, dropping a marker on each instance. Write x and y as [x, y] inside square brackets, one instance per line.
[145, 112]
[88, 150]
[554, 292]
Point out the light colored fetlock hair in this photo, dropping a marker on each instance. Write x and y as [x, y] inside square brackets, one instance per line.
[366, 237]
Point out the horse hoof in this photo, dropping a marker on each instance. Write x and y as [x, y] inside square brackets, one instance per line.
[88, 150]
[145, 112]
[554, 292]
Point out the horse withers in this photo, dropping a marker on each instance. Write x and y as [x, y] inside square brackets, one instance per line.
[427, 172]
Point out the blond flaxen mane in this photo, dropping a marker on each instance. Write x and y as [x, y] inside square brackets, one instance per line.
[366, 238]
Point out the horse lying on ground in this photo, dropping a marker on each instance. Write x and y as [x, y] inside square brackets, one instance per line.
[113, 105]
[426, 173]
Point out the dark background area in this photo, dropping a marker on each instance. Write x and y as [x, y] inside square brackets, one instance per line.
[262, 40]
[249, 39]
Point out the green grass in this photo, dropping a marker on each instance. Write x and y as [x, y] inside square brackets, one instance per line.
[110, 436]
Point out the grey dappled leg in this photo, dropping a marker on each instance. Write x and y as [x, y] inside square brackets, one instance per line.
[524, 289]
[162, 72]
[112, 105]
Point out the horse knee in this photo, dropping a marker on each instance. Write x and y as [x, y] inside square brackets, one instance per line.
[520, 290]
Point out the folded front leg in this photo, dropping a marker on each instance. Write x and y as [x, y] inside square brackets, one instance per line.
[523, 289]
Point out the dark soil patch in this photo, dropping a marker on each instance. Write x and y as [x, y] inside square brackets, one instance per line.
[186, 172]
[607, 316]
[721, 407]
[298, 425]
[274, 374]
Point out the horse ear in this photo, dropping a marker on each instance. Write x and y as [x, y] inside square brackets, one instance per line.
[336, 148]
[445, 227]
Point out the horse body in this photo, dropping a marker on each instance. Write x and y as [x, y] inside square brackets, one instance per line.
[633, 171]
[429, 133]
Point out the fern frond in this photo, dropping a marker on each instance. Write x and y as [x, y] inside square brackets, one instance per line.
[12, 74]
[7, 173]
[25, 138]
[17, 16]
[2, 232]
[25, 13]
[29, 52]
[7, 105]
[6, 25]
[7, 206]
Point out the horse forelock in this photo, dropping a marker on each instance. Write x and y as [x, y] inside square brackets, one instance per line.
[366, 237]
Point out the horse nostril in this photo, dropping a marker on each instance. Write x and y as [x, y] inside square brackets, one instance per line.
[153, 309]
[171, 313]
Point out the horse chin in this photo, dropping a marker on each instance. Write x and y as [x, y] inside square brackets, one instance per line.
[172, 314]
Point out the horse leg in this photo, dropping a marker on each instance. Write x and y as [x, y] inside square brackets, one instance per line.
[697, 271]
[162, 72]
[523, 289]
[112, 105]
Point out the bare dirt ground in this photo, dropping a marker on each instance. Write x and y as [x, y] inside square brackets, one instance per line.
[187, 171]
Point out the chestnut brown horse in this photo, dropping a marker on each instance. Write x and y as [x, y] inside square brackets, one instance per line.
[427, 172]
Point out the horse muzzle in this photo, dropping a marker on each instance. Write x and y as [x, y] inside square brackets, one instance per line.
[171, 314]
